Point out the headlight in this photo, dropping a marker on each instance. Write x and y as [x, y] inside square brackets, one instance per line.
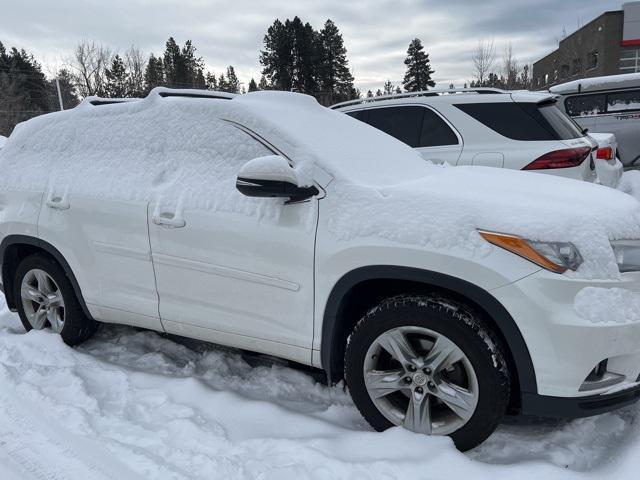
[627, 254]
[555, 256]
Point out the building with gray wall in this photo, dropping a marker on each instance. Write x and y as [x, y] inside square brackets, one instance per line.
[607, 45]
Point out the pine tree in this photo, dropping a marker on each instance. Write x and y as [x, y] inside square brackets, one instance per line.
[211, 81]
[418, 75]
[233, 84]
[222, 83]
[276, 58]
[117, 79]
[154, 73]
[333, 72]
[263, 84]
[388, 87]
[378, 93]
[173, 64]
[369, 94]
[253, 86]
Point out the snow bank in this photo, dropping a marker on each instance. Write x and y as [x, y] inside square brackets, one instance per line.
[135, 405]
[2, 141]
[608, 305]
[630, 183]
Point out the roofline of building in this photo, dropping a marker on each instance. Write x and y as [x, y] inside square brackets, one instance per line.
[555, 51]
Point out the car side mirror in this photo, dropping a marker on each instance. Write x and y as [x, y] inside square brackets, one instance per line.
[272, 176]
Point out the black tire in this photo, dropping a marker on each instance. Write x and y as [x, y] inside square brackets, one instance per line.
[77, 326]
[459, 324]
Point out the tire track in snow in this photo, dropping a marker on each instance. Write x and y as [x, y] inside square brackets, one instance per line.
[41, 449]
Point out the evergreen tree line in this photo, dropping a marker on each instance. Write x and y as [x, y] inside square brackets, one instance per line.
[25, 91]
[295, 57]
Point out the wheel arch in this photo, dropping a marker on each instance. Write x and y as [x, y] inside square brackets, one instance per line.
[335, 323]
[15, 247]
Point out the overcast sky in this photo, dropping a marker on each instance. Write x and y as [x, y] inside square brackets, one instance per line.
[376, 32]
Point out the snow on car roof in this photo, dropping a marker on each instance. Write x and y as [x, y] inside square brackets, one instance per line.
[608, 82]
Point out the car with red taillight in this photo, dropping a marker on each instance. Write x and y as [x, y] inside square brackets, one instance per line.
[483, 126]
[608, 165]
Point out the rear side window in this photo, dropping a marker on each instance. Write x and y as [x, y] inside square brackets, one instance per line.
[559, 122]
[523, 121]
[403, 123]
[583, 105]
[622, 101]
[435, 132]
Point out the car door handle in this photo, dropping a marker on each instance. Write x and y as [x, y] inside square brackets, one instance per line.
[58, 203]
[168, 220]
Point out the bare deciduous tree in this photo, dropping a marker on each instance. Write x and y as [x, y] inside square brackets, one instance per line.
[483, 57]
[510, 67]
[88, 65]
[135, 63]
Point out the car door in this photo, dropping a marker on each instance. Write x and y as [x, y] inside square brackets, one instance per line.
[106, 244]
[238, 270]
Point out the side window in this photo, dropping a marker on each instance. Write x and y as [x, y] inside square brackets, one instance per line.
[403, 123]
[622, 101]
[508, 119]
[435, 132]
[583, 105]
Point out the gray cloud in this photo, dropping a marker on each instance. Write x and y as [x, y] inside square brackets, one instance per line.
[376, 32]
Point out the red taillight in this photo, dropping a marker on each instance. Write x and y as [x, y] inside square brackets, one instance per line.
[604, 153]
[569, 157]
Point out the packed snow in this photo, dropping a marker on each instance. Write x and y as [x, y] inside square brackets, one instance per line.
[133, 404]
[2, 141]
[180, 152]
[597, 83]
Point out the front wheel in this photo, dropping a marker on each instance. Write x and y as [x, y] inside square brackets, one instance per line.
[46, 299]
[429, 365]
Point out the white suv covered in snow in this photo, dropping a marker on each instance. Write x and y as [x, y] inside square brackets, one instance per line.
[485, 126]
[445, 297]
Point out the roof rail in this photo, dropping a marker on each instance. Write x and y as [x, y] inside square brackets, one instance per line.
[191, 93]
[424, 93]
[98, 101]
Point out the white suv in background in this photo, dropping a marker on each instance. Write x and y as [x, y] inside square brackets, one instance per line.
[445, 297]
[485, 126]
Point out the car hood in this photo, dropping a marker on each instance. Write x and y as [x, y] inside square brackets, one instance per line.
[447, 208]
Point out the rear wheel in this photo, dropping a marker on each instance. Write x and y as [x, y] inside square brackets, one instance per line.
[46, 299]
[429, 365]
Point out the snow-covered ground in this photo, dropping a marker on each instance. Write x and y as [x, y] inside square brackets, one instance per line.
[134, 404]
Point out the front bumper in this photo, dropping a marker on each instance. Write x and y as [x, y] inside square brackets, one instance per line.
[564, 347]
[576, 407]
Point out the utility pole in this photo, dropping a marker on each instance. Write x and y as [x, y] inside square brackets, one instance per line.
[59, 93]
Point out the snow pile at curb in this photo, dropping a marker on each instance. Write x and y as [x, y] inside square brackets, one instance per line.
[608, 305]
[630, 183]
[135, 405]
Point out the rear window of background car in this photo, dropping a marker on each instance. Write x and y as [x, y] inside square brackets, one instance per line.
[599, 103]
[523, 121]
[414, 125]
